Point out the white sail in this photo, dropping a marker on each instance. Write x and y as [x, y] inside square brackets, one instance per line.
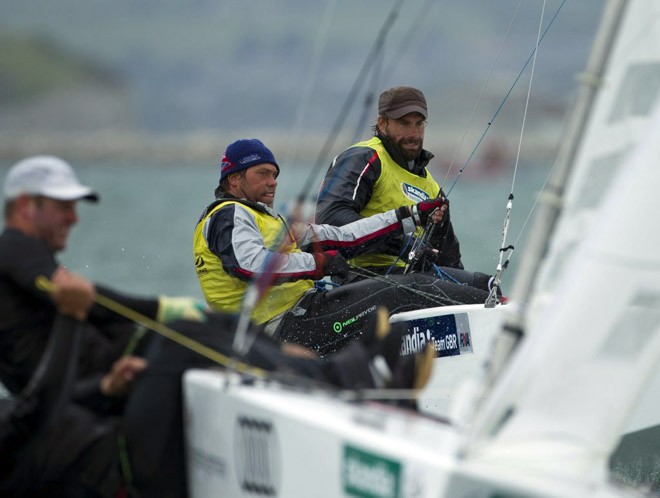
[621, 114]
[619, 118]
[619, 86]
[578, 375]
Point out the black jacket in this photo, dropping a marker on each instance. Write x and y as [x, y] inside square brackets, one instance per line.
[347, 188]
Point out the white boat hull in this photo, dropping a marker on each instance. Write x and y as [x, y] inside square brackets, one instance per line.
[463, 338]
[269, 440]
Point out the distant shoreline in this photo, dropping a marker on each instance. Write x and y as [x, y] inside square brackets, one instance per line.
[208, 145]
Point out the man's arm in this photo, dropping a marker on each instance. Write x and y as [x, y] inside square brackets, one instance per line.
[74, 296]
[357, 237]
[347, 186]
[22, 260]
[234, 237]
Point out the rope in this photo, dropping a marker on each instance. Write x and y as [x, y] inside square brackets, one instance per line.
[421, 241]
[445, 300]
[479, 98]
[501, 266]
[319, 46]
[413, 30]
[348, 103]
[253, 294]
[44, 284]
[301, 383]
[506, 97]
[257, 289]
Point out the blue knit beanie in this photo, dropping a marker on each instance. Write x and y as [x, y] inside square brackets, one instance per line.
[243, 154]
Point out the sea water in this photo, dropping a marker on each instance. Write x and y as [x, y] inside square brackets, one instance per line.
[138, 239]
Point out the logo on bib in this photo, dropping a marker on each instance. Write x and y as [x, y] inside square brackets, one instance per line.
[413, 193]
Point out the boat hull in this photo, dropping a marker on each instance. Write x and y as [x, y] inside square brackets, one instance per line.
[264, 439]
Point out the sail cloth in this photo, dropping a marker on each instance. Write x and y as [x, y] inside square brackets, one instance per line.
[576, 378]
[593, 342]
[619, 119]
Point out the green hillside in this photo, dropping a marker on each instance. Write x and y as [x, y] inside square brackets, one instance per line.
[31, 66]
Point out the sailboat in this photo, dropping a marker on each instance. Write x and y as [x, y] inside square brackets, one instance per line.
[529, 399]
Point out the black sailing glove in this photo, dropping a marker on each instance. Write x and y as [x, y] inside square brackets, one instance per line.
[425, 260]
[330, 263]
[421, 211]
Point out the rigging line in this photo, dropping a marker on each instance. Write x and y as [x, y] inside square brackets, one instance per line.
[541, 193]
[534, 52]
[373, 54]
[419, 244]
[246, 310]
[290, 378]
[407, 38]
[529, 93]
[444, 300]
[506, 97]
[341, 117]
[378, 71]
[481, 94]
[385, 394]
[378, 59]
[369, 97]
[253, 294]
[403, 46]
[319, 47]
[501, 266]
[47, 285]
[408, 239]
[257, 288]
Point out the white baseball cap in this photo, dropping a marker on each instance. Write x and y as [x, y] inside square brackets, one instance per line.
[48, 176]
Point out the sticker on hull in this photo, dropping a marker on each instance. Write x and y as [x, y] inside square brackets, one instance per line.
[449, 335]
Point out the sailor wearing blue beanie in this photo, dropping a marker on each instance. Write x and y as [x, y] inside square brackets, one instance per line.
[243, 154]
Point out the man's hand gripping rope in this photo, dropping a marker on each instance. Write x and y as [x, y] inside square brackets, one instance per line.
[426, 214]
[46, 285]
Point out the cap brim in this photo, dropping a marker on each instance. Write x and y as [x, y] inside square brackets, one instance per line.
[402, 111]
[71, 193]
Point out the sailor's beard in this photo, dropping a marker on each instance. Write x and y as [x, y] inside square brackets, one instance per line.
[408, 153]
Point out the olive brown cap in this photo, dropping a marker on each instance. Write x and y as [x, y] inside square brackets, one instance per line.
[401, 100]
